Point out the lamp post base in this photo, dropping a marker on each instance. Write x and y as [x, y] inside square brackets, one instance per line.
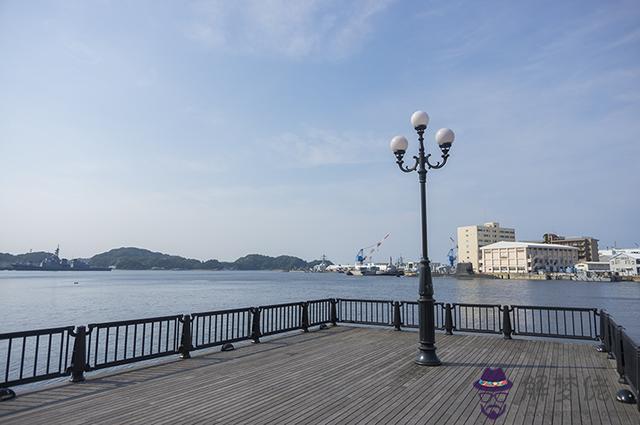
[427, 358]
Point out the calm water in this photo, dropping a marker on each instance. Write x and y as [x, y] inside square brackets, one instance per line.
[31, 300]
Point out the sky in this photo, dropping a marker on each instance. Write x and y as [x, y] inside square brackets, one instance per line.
[213, 129]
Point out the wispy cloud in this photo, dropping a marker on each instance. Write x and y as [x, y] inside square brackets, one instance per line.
[292, 29]
[316, 147]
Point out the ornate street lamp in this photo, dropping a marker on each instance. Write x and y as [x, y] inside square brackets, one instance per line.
[444, 137]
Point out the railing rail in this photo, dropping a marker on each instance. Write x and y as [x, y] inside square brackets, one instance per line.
[319, 312]
[278, 318]
[365, 312]
[409, 314]
[35, 355]
[213, 328]
[555, 322]
[116, 343]
[482, 318]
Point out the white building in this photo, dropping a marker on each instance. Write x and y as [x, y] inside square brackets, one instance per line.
[625, 264]
[607, 254]
[472, 238]
[526, 257]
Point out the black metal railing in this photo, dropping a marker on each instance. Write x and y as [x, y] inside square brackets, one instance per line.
[555, 322]
[278, 318]
[213, 328]
[484, 318]
[35, 355]
[116, 343]
[409, 314]
[319, 312]
[365, 312]
[51, 353]
[624, 350]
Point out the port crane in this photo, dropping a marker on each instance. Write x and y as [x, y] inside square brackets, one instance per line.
[361, 258]
[451, 255]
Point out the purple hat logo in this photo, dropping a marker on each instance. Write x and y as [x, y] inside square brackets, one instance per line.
[493, 389]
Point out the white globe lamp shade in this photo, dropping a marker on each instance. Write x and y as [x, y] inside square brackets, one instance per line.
[399, 144]
[420, 120]
[445, 137]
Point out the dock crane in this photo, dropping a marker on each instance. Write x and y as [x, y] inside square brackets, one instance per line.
[361, 258]
[451, 255]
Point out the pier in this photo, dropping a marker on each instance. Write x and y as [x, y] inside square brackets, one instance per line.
[347, 373]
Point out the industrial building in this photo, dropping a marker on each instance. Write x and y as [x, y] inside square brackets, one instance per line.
[472, 238]
[587, 246]
[526, 257]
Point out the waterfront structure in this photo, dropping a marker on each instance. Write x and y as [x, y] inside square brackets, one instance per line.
[426, 304]
[587, 246]
[526, 257]
[625, 264]
[472, 238]
[593, 266]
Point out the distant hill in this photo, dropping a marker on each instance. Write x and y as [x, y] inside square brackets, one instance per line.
[142, 259]
[35, 258]
[263, 262]
[130, 258]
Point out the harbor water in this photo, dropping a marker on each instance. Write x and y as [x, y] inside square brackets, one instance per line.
[34, 300]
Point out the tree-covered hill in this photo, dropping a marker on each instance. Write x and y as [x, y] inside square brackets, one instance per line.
[130, 258]
[31, 258]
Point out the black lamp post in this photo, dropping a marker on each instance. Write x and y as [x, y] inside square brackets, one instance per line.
[426, 348]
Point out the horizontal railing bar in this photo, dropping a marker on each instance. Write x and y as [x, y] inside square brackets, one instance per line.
[281, 305]
[218, 312]
[131, 360]
[34, 379]
[132, 322]
[542, 307]
[365, 301]
[36, 332]
[221, 342]
[476, 305]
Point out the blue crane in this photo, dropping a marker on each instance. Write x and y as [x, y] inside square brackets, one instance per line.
[451, 255]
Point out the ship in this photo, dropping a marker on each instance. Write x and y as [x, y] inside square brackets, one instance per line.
[54, 263]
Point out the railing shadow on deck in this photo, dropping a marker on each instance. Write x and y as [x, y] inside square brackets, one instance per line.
[44, 354]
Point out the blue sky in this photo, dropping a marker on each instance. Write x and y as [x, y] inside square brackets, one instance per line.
[215, 129]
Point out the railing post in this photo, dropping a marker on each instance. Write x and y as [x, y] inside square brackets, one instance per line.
[334, 312]
[397, 318]
[305, 316]
[79, 356]
[507, 329]
[255, 324]
[619, 355]
[448, 319]
[185, 338]
[638, 378]
[604, 332]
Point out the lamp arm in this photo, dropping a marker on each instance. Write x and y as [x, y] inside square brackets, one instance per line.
[439, 164]
[404, 168]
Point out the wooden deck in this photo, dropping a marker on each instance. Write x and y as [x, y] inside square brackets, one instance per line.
[343, 375]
